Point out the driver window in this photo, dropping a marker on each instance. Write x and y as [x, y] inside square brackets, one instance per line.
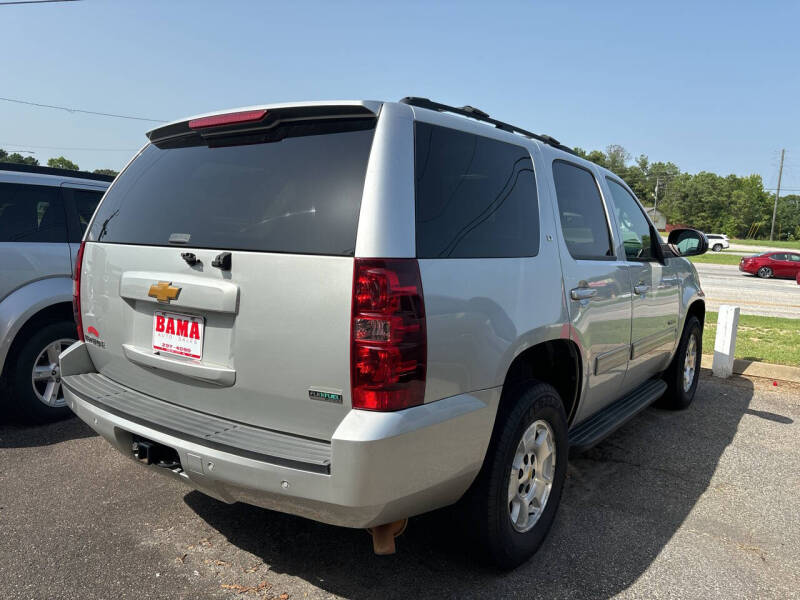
[633, 225]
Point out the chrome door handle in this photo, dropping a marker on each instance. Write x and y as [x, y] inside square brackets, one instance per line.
[582, 293]
[640, 288]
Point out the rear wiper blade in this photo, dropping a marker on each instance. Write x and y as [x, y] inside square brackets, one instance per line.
[104, 226]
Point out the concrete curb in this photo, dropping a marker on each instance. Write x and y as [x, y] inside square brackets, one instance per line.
[758, 369]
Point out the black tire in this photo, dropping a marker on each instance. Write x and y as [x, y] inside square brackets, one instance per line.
[764, 272]
[23, 399]
[677, 397]
[717, 247]
[487, 501]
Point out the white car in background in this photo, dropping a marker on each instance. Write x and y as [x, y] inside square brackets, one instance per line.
[718, 241]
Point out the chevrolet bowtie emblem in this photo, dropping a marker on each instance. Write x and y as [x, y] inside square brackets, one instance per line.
[164, 291]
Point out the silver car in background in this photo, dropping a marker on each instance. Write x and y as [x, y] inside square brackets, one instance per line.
[43, 215]
[361, 311]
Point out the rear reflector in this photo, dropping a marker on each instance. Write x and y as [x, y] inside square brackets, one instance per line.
[388, 356]
[244, 116]
[76, 291]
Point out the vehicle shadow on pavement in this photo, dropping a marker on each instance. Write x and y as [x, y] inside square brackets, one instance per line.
[623, 502]
[19, 435]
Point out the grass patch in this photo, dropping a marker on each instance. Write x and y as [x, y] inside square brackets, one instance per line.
[794, 244]
[766, 339]
[717, 258]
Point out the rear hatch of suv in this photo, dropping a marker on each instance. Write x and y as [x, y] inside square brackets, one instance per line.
[218, 270]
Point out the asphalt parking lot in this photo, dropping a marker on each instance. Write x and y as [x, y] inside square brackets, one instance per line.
[698, 504]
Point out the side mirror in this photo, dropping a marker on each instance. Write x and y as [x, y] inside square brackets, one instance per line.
[687, 242]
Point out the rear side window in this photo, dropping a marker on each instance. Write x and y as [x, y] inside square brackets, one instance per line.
[475, 196]
[31, 213]
[86, 202]
[583, 217]
[80, 205]
[301, 194]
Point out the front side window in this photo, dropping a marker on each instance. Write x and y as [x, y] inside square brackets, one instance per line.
[583, 218]
[633, 225]
[31, 213]
[475, 196]
[794, 257]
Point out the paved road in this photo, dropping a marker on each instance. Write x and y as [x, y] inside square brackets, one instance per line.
[696, 504]
[725, 284]
[748, 249]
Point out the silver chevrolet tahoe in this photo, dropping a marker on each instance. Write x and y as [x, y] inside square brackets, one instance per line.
[358, 312]
[43, 215]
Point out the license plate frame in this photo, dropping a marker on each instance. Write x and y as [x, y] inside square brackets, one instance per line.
[178, 334]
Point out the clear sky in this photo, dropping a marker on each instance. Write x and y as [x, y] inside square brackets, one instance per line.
[709, 86]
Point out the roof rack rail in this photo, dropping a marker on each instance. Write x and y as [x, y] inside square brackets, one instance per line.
[476, 113]
[23, 168]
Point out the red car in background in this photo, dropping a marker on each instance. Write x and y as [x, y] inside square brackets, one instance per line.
[772, 264]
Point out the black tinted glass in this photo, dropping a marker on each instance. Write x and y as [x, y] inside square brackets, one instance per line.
[31, 213]
[583, 219]
[85, 203]
[297, 195]
[475, 197]
[633, 225]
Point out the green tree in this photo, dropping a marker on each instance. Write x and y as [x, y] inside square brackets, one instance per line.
[62, 163]
[16, 157]
[111, 172]
[616, 158]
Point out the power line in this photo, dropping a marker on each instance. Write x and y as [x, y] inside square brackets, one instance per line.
[34, 2]
[78, 110]
[9, 144]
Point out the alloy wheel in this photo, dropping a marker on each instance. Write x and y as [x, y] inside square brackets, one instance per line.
[531, 476]
[46, 374]
[690, 363]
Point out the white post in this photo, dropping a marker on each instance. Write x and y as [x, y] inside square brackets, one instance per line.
[725, 344]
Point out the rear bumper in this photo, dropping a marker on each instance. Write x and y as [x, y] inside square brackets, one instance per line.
[382, 466]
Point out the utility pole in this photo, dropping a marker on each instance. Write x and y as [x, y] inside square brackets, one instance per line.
[655, 200]
[777, 194]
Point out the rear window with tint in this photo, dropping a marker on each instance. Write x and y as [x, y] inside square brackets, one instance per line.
[31, 213]
[475, 196]
[583, 216]
[297, 195]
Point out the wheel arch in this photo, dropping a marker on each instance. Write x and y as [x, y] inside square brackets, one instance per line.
[27, 308]
[697, 309]
[556, 362]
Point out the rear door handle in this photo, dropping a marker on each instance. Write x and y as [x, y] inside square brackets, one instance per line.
[640, 288]
[582, 293]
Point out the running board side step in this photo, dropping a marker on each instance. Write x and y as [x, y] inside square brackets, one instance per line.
[614, 416]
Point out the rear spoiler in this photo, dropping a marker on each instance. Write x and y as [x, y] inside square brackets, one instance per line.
[259, 118]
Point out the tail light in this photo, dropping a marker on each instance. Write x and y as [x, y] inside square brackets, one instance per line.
[76, 292]
[388, 355]
[245, 116]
